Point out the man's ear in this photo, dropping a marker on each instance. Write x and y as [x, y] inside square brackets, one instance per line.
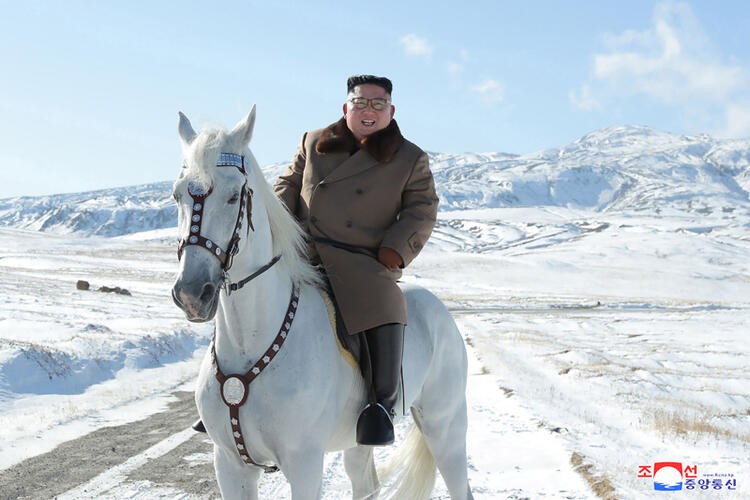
[345, 109]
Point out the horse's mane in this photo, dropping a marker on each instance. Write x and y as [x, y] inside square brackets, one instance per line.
[288, 238]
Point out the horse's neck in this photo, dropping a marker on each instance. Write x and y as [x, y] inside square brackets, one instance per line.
[249, 319]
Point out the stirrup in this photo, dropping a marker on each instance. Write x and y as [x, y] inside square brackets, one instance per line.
[198, 426]
[375, 426]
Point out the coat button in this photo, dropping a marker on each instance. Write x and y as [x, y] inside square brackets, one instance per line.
[348, 223]
[359, 191]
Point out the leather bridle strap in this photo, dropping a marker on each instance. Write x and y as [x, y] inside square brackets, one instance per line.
[196, 224]
[196, 217]
[233, 287]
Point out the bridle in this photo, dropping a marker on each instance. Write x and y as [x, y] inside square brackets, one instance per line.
[195, 237]
[235, 388]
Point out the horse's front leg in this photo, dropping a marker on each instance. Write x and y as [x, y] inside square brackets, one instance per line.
[304, 471]
[236, 480]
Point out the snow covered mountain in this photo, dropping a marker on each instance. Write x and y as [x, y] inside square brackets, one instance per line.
[621, 169]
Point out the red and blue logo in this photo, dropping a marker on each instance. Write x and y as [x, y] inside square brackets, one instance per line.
[676, 476]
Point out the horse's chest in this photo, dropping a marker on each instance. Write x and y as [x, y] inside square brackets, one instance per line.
[270, 410]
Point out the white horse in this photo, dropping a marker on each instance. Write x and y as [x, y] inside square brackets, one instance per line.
[241, 258]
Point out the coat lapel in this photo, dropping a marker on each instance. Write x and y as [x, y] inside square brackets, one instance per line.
[338, 146]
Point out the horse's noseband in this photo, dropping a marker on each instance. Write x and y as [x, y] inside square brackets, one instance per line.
[196, 217]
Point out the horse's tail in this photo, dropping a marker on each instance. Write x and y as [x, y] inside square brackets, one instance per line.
[410, 471]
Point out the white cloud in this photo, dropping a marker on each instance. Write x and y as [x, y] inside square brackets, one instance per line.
[584, 99]
[415, 45]
[456, 66]
[659, 64]
[490, 92]
[672, 62]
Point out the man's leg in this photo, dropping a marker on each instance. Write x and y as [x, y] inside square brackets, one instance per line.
[384, 346]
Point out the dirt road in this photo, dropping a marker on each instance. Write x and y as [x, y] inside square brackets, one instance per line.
[113, 457]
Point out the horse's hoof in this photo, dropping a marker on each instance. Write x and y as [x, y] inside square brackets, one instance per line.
[198, 426]
[374, 426]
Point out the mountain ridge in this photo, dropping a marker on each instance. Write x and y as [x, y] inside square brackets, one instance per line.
[621, 168]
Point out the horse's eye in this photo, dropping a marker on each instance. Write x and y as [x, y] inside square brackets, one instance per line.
[234, 198]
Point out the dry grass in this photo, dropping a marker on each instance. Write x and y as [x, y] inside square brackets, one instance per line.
[674, 423]
[600, 485]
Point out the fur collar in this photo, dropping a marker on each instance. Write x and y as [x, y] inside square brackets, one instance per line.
[381, 145]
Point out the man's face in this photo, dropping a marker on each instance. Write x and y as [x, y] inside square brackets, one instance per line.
[365, 121]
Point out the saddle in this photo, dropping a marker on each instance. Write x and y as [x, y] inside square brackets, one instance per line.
[349, 345]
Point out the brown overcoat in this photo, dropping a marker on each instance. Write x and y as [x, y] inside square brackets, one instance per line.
[351, 199]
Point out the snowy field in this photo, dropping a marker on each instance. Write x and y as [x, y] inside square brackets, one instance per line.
[598, 343]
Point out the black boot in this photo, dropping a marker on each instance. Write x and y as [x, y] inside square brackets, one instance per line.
[384, 346]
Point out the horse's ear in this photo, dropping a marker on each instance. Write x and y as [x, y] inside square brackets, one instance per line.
[243, 131]
[185, 129]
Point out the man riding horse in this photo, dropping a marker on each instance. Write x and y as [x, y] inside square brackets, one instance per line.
[366, 198]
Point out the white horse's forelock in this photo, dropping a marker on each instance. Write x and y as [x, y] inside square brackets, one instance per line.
[201, 154]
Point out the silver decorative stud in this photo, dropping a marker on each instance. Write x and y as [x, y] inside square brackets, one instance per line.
[196, 218]
[256, 370]
[266, 359]
[197, 206]
[195, 229]
[209, 244]
[193, 239]
[275, 347]
[234, 421]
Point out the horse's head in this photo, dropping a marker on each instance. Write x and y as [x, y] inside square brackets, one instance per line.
[214, 198]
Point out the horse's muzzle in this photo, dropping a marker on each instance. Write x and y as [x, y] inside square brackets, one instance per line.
[198, 302]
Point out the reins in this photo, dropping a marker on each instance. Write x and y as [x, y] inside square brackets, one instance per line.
[230, 287]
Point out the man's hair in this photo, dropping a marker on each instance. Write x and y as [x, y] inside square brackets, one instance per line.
[380, 81]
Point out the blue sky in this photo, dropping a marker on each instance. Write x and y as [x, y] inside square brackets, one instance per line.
[91, 89]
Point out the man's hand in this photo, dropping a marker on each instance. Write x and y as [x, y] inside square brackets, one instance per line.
[390, 258]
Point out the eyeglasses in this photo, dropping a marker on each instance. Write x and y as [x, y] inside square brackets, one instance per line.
[377, 103]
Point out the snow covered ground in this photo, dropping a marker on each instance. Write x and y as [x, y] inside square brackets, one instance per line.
[600, 342]
[603, 289]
